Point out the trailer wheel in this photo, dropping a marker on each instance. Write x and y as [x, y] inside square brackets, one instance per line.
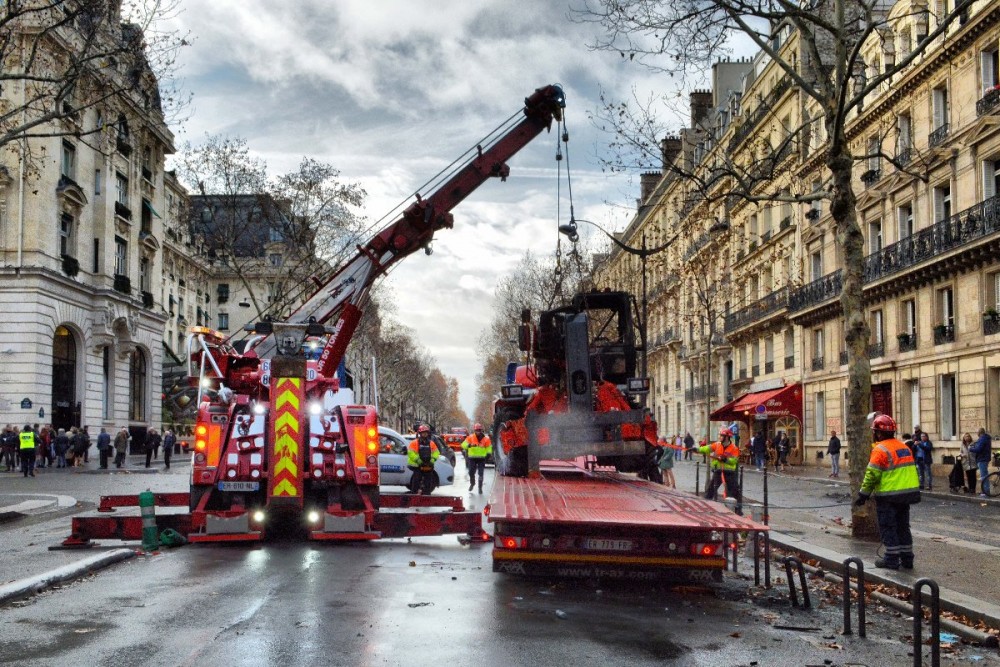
[514, 464]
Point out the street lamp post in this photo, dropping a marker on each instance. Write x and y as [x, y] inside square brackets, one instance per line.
[643, 253]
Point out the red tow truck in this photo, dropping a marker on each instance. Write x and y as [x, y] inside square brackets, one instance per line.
[278, 445]
[571, 434]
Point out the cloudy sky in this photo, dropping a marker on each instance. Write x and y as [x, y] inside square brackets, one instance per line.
[390, 92]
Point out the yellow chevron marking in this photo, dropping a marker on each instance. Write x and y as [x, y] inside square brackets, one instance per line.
[296, 382]
[289, 397]
[287, 421]
[285, 488]
[286, 464]
[286, 445]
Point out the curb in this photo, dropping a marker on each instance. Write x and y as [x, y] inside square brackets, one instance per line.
[29, 586]
[833, 562]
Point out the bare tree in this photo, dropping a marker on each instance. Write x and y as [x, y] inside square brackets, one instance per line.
[270, 234]
[61, 58]
[822, 48]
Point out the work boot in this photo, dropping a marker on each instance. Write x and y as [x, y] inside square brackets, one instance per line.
[887, 564]
[906, 564]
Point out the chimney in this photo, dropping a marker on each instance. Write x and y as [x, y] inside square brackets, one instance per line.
[670, 148]
[647, 183]
[701, 104]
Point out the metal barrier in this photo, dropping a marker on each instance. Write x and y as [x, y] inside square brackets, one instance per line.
[918, 619]
[767, 512]
[793, 596]
[697, 478]
[861, 595]
[757, 559]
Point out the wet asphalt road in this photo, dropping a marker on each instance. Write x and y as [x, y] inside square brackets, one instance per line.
[429, 601]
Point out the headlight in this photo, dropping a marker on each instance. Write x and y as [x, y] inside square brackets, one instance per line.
[258, 516]
[315, 408]
[313, 516]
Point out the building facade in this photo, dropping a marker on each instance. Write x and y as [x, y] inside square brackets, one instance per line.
[766, 347]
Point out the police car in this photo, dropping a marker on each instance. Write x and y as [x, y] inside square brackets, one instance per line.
[393, 470]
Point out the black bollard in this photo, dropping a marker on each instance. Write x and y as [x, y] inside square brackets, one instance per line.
[861, 596]
[697, 477]
[918, 620]
[806, 602]
[767, 512]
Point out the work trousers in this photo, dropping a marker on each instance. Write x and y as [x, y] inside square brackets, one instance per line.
[476, 465]
[28, 461]
[105, 455]
[713, 485]
[894, 529]
[166, 457]
[422, 481]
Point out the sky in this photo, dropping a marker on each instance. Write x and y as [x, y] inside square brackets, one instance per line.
[390, 92]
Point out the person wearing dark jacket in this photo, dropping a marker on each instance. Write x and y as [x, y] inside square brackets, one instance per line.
[923, 453]
[104, 447]
[8, 448]
[169, 440]
[61, 444]
[758, 450]
[153, 441]
[833, 451]
[688, 446]
[982, 449]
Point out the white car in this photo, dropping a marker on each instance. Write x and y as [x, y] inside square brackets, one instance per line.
[393, 470]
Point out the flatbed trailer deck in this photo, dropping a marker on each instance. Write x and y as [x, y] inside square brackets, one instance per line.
[579, 521]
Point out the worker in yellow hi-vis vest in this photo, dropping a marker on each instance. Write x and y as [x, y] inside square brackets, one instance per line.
[476, 448]
[28, 443]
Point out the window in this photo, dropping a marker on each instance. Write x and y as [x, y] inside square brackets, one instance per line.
[144, 274]
[905, 42]
[66, 235]
[222, 292]
[753, 228]
[769, 350]
[949, 407]
[97, 181]
[819, 415]
[874, 236]
[989, 64]
[993, 291]
[107, 388]
[946, 306]
[789, 348]
[97, 255]
[121, 256]
[68, 160]
[991, 178]
[940, 107]
[816, 264]
[874, 153]
[904, 218]
[817, 343]
[223, 321]
[767, 280]
[877, 326]
[274, 258]
[908, 317]
[147, 217]
[137, 386]
[904, 137]
[942, 202]
[755, 354]
[122, 189]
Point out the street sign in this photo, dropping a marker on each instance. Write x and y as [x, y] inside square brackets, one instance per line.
[25, 403]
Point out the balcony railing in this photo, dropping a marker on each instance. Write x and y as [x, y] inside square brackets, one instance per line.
[907, 341]
[768, 366]
[122, 284]
[876, 350]
[937, 137]
[904, 155]
[818, 363]
[870, 177]
[843, 357]
[964, 227]
[757, 310]
[988, 102]
[743, 374]
[147, 299]
[123, 211]
[785, 223]
[753, 119]
[755, 370]
[789, 362]
[944, 333]
[991, 325]
[817, 291]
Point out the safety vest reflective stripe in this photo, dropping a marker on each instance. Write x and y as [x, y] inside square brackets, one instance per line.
[27, 439]
[476, 448]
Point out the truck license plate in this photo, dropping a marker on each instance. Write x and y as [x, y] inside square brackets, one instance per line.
[239, 486]
[607, 545]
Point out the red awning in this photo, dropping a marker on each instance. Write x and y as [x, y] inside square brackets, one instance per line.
[770, 404]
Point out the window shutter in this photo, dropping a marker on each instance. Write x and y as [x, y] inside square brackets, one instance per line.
[989, 179]
[986, 65]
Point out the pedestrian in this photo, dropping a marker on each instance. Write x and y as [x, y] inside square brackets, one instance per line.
[688, 446]
[40, 454]
[666, 463]
[153, 441]
[891, 477]
[833, 451]
[27, 442]
[8, 448]
[983, 451]
[169, 440]
[725, 457]
[968, 460]
[421, 456]
[104, 447]
[79, 443]
[87, 445]
[476, 448]
[758, 450]
[782, 447]
[61, 445]
[121, 447]
[924, 458]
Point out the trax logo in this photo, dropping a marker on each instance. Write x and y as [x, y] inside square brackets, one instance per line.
[511, 568]
[700, 575]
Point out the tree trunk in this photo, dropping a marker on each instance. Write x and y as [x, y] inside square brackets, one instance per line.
[856, 331]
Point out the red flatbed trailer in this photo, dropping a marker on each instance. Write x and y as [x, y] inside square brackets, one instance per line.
[575, 520]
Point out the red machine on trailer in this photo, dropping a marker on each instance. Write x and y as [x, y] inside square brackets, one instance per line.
[273, 445]
[569, 427]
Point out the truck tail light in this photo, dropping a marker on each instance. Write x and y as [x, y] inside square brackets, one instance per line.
[706, 549]
[511, 542]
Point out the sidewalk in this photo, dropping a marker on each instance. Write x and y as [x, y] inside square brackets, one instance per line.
[828, 543]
